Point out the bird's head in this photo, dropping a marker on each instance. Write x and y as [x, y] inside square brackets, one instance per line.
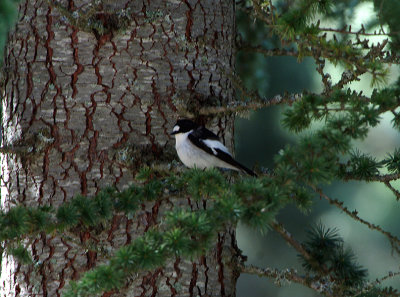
[183, 126]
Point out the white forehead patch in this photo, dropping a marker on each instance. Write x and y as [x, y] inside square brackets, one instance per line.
[176, 128]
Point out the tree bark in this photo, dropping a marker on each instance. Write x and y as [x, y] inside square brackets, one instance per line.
[91, 91]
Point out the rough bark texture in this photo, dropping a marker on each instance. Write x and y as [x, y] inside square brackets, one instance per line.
[90, 88]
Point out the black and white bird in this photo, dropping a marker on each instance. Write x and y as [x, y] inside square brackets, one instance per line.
[199, 147]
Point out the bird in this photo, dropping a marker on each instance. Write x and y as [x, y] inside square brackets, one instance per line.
[198, 147]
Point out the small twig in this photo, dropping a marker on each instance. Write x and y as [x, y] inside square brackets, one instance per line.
[360, 32]
[289, 275]
[395, 192]
[387, 276]
[260, 13]
[377, 283]
[385, 178]
[17, 149]
[394, 241]
[289, 239]
[245, 93]
[269, 52]
[347, 77]
[380, 178]
[252, 105]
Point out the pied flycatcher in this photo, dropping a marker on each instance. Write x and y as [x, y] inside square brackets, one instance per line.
[199, 147]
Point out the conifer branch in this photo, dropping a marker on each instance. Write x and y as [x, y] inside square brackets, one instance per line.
[371, 287]
[359, 32]
[17, 149]
[257, 103]
[269, 52]
[378, 177]
[260, 13]
[395, 192]
[250, 97]
[322, 286]
[297, 246]
[385, 179]
[387, 277]
[289, 239]
[394, 241]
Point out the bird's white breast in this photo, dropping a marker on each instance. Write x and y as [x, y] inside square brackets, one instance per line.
[192, 156]
[187, 152]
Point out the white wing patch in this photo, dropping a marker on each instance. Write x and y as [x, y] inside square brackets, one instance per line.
[215, 144]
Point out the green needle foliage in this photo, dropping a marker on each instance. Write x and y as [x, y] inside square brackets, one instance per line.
[362, 166]
[329, 257]
[182, 232]
[392, 162]
[20, 253]
[185, 232]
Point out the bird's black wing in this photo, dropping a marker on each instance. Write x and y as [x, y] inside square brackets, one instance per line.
[228, 159]
[203, 133]
[200, 134]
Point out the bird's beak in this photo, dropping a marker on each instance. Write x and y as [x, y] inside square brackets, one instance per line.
[173, 133]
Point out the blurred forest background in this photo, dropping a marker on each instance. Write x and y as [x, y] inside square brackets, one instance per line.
[260, 136]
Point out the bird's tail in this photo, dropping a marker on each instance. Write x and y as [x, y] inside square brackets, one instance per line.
[226, 157]
[247, 170]
[242, 168]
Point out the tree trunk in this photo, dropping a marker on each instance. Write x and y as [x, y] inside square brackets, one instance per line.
[91, 91]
